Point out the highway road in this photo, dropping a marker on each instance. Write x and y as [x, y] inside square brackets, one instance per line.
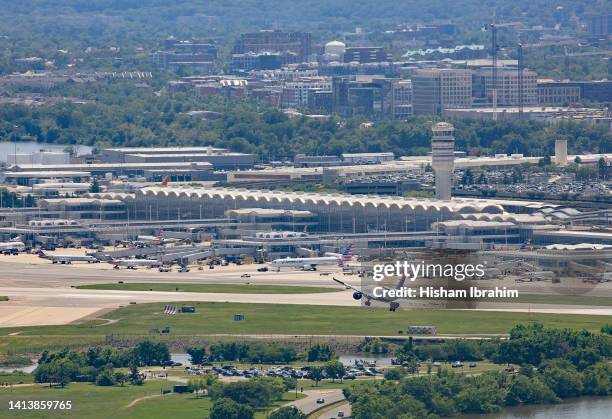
[309, 404]
[333, 412]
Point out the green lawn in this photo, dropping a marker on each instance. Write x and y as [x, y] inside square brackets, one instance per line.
[213, 288]
[560, 299]
[16, 377]
[217, 318]
[88, 401]
[93, 402]
[14, 361]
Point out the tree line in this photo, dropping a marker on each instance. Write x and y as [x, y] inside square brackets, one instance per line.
[553, 364]
[126, 115]
[97, 364]
[258, 353]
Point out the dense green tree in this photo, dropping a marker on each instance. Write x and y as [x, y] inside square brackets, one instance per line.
[525, 390]
[229, 409]
[320, 353]
[316, 374]
[334, 369]
[121, 378]
[197, 354]
[565, 382]
[257, 392]
[151, 353]
[597, 380]
[106, 377]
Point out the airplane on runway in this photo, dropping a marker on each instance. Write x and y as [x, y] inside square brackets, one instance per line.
[310, 264]
[306, 264]
[67, 259]
[358, 294]
[135, 263]
[12, 247]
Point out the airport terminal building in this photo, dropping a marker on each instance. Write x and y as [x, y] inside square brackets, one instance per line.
[336, 212]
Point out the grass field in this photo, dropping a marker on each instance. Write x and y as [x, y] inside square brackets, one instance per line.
[560, 299]
[217, 318]
[16, 378]
[13, 361]
[94, 402]
[289, 289]
[212, 288]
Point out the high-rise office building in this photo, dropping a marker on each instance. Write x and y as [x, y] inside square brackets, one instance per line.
[299, 43]
[373, 96]
[196, 56]
[436, 89]
[295, 93]
[507, 87]
[599, 24]
[364, 55]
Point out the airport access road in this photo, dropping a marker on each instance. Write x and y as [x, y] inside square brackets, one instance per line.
[332, 413]
[309, 404]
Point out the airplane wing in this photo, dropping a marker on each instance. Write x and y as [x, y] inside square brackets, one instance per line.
[346, 285]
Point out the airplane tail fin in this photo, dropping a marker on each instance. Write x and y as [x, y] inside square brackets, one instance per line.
[165, 180]
[347, 253]
[401, 282]
[42, 254]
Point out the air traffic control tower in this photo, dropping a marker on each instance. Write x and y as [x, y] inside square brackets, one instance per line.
[443, 158]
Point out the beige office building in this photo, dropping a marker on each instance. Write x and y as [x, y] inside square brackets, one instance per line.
[437, 89]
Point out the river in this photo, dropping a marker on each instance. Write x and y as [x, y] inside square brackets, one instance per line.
[582, 408]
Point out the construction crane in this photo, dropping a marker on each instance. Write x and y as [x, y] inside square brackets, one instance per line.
[520, 80]
[493, 27]
[494, 49]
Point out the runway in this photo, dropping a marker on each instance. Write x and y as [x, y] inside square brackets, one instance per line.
[41, 293]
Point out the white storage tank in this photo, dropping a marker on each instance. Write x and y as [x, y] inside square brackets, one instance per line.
[335, 48]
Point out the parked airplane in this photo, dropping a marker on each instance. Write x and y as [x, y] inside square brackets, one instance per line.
[12, 247]
[67, 259]
[358, 294]
[345, 256]
[540, 276]
[142, 241]
[306, 264]
[135, 263]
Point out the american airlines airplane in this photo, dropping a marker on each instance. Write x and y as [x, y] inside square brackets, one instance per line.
[135, 263]
[306, 264]
[143, 241]
[310, 264]
[358, 294]
[67, 259]
[12, 247]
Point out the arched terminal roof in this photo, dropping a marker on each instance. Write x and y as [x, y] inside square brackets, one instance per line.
[456, 206]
